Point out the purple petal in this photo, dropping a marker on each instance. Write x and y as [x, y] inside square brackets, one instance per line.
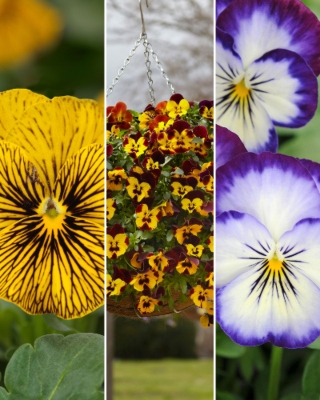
[228, 145]
[258, 26]
[286, 86]
[275, 189]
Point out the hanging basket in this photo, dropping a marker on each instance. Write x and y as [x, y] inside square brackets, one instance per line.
[127, 307]
[159, 208]
[159, 202]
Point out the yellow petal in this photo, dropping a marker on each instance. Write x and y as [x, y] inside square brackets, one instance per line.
[52, 131]
[80, 184]
[53, 265]
[13, 103]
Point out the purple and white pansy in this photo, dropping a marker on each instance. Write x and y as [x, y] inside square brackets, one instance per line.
[267, 249]
[268, 56]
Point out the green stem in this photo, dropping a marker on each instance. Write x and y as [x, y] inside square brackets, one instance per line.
[275, 370]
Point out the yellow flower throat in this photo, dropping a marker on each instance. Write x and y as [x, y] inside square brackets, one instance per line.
[51, 209]
[240, 90]
[275, 265]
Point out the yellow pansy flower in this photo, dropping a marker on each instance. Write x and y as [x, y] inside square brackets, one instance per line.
[137, 189]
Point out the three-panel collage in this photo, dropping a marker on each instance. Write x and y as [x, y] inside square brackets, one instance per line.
[159, 200]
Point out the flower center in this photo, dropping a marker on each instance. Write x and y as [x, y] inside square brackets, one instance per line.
[275, 265]
[240, 90]
[51, 208]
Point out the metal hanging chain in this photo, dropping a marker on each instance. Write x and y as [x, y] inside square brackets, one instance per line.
[159, 65]
[149, 72]
[126, 62]
[148, 50]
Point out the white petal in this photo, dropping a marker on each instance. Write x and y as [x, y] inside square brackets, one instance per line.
[300, 248]
[241, 243]
[255, 308]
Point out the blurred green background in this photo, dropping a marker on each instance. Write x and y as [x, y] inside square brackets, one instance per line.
[73, 65]
[303, 142]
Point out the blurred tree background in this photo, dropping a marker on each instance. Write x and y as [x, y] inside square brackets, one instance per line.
[72, 65]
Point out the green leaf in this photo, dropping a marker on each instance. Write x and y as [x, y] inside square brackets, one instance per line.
[147, 248]
[165, 173]
[109, 165]
[146, 235]
[306, 142]
[167, 196]
[171, 303]
[297, 396]
[315, 344]
[197, 140]
[57, 324]
[251, 360]
[169, 235]
[311, 373]
[3, 394]
[57, 367]
[225, 347]
[135, 113]
[177, 171]
[183, 285]
[225, 396]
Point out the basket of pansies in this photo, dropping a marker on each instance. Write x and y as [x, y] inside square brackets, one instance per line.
[160, 208]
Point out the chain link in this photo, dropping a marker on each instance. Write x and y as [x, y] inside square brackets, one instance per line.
[126, 62]
[159, 65]
[148, 50]
[149, 72]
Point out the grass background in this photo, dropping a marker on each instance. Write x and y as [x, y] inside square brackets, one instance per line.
[165, 379]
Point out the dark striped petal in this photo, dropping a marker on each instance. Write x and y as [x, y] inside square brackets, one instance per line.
[80, 184]
[238, 108]
[53, 265]
[52, 131]
[21, 193]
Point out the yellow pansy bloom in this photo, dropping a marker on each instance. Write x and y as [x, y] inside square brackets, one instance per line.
[146, 304]
[114, 287]
[138, 147]
[186, 266]
[147, 279]
[195, 251]
[191, 205]
[111, 209]
[179, 189]
[52, 206]
[158, 261]
[201, 295]
[147, 219]
[137, 189]
[175, 109]
[185, 232]
[117, 246]
[115, 179]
